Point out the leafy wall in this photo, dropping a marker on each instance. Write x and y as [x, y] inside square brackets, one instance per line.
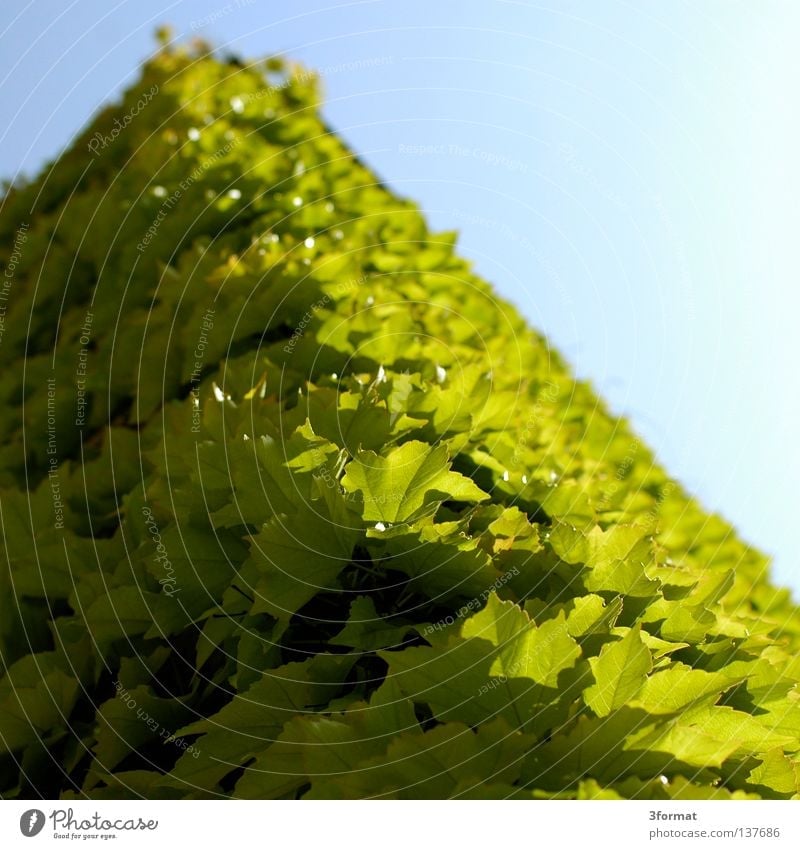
[293, 505]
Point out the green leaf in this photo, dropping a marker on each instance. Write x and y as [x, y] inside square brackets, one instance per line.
[254, 719]
[439, 558]
[591, 615]
[777, 772]
[499, 663]
[449, 760]
[597, 547]
[262, 477]
[746, 732]
[367, 631]
[295, 557]
[313, 747]
[619, 673]
[36, 697]
[130, 720]
[686, 744]
[524, 650]
[679, 686]
[405, 481]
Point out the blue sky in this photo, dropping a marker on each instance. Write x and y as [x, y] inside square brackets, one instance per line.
[626, 172]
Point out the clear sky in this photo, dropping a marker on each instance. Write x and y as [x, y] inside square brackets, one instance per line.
[626, 172]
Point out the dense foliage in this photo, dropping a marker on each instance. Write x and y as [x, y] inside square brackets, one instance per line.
[294, 506]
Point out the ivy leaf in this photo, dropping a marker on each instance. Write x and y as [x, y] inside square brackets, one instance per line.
[253, 719]
[439, 558]
[524, 650]
[500, 663]
[366, 630]
[619, 673]
[35, 693]
[437, 764]
[597, 547]
[123, 612]
[277, 696]
[747, 732]
[777, 772]
[295, 557]
[684, 744]
[263, 477]
[679, 686]
[615, 558]
[677, 787]
[128, 721]
[591, 615]
[316, 747]
[405, 481]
